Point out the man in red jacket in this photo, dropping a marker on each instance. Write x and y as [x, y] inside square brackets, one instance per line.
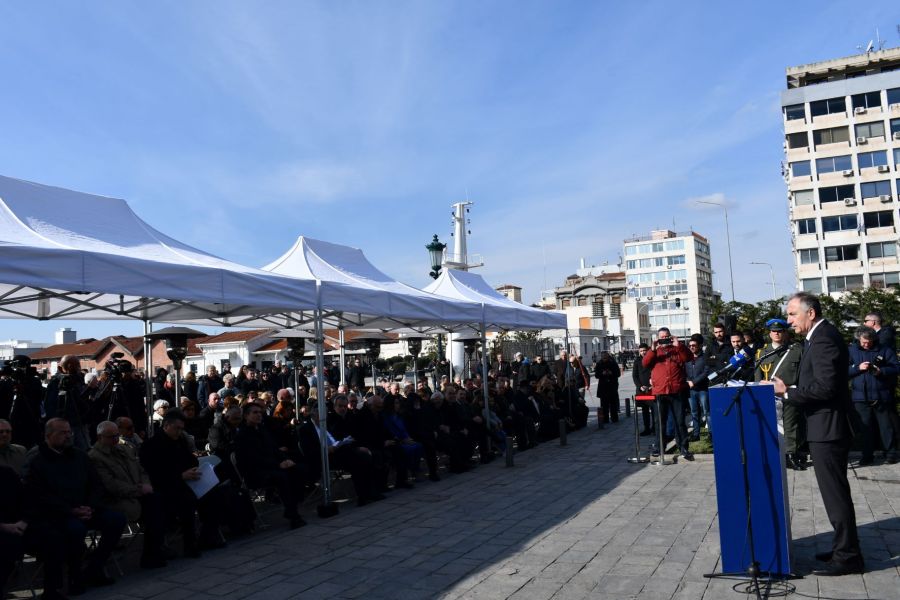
[666, 360]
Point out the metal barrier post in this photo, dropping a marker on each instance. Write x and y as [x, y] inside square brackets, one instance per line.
[509, 453]
[562, 432]
[660, 430]
[628, 407]
[637, 458]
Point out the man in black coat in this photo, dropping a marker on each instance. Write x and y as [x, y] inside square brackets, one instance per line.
[607, 373]
[263, 465]
[823, 394]
[718, 351]
[64, 490]
[640, 375]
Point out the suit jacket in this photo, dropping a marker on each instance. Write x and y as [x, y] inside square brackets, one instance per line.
[822, 388]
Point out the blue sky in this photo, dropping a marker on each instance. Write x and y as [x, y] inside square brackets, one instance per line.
[236, 126]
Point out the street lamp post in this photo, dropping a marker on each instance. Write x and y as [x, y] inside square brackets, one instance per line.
[771, 271]
[727, 237]
[436, 258]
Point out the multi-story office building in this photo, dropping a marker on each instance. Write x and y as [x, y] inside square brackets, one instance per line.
[842, 146]
[668, 277]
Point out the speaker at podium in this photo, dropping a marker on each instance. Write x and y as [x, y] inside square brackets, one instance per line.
[765, 486]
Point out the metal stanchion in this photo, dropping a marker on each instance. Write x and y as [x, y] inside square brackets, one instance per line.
[637, 458]
[628, 407]
[509, 453]
[660, 430]
[562, 432]
[599, 417]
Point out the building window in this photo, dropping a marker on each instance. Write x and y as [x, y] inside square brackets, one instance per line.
[868, 160]
[867, 100]
[881, 249]
[800, 169]
[805, 226]
[809, 256]
[882, 218]
[678, 259]
[833, 135]
[833, 164]
[870, 130]
[893, 96]
[804, 197]
[798, 140]
[701, 247]
[813, 286]
[897, 158]
[828, 107]
[836, 194]
[845, 283]
[841, 253]
[839, 223]
[883, 280]
[794, 112]
[597, 310]
[873, 189]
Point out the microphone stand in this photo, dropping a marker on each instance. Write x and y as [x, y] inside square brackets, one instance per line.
[752, 571]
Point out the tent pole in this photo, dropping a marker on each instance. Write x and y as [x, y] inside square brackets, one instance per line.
[342, 355]
[148, 379]
[323, 412]
[484, 387]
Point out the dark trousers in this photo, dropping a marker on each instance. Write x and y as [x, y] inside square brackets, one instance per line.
[289, 483]
[794, 428]
[648, 415]
[41, 540]
[609, 404]
[153, 522]
[675, 404]
[359, 464]
[869, 415]
[830, 460]
[108, 523]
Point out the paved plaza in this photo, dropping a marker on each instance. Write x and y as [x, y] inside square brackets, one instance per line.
[564, 523]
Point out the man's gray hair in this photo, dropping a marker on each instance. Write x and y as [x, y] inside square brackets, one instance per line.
[808, 301]
[437, 395]
[103, 426]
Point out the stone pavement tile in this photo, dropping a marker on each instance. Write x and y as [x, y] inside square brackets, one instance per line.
[624, 585]
[692, 590]
[537, 590]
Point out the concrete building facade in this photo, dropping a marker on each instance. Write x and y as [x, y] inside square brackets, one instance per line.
[668, 276]
[842, 151]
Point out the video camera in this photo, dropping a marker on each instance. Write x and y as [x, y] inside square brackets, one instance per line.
[17, 368]
[665, 341]
[116, 368]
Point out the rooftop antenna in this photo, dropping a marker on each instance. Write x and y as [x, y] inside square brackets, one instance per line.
[880, 41]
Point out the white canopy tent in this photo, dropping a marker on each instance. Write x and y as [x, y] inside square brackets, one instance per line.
[499, 311]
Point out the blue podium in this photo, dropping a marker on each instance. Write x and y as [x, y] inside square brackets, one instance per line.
[764, 442]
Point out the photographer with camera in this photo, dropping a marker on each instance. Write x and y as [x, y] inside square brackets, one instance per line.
[68, 398]
[666, 360]
[21, 393]
[873, 368]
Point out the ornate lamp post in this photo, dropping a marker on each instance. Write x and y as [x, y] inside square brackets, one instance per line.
[436, 258]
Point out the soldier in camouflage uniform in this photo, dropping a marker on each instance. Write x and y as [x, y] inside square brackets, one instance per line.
[785, 365]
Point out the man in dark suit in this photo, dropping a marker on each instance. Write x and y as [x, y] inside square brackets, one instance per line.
[822, 393]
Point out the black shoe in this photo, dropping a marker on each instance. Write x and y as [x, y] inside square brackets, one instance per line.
[892, 458]
[77, 588]
[865, 462]
[403, 485]
[296, 522]
[53, 595]
[646, 432]
[824, 556]
[688, 456]
[153, 562]
[97, 579]
[434, 477]
[835, 569]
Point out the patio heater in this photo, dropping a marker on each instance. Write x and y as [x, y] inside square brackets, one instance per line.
[296, 343]
[371, 343]
[176, 349]
[414, 344]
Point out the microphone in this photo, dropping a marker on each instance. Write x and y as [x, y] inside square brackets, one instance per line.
[736, 363]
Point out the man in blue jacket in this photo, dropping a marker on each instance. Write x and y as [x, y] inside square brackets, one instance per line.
[873, 370]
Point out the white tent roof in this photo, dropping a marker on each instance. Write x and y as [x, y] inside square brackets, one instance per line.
[499, 310]
[381, 301]
[67, 254]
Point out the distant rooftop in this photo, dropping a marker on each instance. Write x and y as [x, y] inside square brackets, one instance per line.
[665, 234]
[836, 69]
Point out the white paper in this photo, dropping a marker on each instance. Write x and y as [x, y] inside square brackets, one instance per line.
[208, 480]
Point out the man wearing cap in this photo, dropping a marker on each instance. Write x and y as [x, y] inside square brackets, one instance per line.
[785, 365]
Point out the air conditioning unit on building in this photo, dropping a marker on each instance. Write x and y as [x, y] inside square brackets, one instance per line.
[666, 296]
[883, 168]
[895, 106]
[885, 197]
[861, 140]
[897, 135]
[859, 110]
[669, 266]
[848, 173]
[850, 201]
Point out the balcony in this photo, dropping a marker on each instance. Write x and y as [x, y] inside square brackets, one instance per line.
[832, 119]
